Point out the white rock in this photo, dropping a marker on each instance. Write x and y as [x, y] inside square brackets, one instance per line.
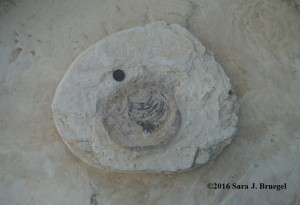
[174, 109]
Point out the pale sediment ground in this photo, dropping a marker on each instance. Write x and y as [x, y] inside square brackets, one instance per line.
[256, 42]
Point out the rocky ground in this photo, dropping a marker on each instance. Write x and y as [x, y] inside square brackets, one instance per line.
[256, 42]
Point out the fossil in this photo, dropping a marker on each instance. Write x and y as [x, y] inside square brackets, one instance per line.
[147, 113]
[148, 99]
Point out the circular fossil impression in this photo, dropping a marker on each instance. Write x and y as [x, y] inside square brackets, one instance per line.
[148, 99]
[145, 113]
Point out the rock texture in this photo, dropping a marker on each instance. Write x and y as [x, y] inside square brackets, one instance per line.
[257, 44]
[172, 108]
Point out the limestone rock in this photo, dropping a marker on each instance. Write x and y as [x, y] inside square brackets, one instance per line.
[146, 99]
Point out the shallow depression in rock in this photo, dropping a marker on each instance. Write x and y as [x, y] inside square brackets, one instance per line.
[141, 115]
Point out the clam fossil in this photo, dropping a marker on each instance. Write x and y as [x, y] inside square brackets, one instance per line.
[148, 99]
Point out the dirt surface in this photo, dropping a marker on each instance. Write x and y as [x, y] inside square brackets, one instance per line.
[256, 42]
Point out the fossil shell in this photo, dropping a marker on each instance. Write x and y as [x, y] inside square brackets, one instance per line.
[146, 99]
[146, 113]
